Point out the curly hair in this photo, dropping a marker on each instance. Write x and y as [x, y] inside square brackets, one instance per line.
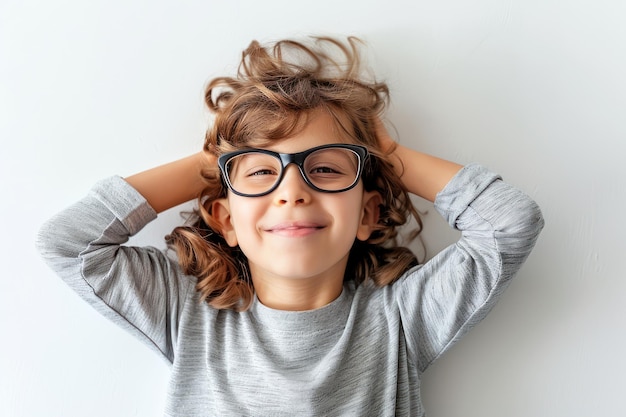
[276, 88]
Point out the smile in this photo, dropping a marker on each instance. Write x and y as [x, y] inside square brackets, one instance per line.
[294, 229]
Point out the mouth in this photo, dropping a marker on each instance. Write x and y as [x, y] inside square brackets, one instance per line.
[294, 229]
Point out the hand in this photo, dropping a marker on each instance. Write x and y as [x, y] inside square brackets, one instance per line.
[385, 142]
[423, 175]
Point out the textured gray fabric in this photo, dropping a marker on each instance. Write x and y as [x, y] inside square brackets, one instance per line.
[361, 355]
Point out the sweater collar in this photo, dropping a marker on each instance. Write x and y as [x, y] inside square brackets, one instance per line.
[324, 318]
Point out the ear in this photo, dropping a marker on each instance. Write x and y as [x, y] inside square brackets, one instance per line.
[370, 213]
[220, 211]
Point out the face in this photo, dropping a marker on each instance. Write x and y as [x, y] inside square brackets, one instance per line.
[295, 232]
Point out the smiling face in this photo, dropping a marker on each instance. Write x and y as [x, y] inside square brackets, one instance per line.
[295, 232]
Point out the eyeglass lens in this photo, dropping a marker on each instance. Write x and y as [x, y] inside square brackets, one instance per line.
[330, 169]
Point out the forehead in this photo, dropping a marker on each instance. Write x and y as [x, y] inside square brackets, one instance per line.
[320, 127]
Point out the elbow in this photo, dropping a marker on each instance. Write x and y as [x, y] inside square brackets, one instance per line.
[52, 240]
[46, 242]
[517, 240]
[531, 220]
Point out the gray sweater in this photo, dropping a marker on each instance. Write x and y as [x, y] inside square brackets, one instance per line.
[361, 355]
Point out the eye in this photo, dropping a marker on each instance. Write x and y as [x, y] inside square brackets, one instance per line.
[332, 163]
[261, 171]
[254, 165]
[324, 170]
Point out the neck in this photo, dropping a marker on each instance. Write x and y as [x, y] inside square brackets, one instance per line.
[296, 294]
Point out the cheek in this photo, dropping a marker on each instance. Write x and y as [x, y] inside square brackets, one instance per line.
[244, 215]
[348, 212]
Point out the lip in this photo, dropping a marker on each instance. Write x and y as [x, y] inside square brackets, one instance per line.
[294, 228]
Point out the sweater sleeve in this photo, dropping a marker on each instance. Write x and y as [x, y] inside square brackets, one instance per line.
[140, 289]
[443, 299]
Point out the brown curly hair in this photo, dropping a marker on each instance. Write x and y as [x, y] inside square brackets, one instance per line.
[276, 88]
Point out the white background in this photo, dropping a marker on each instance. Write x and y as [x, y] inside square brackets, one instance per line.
[534, 89]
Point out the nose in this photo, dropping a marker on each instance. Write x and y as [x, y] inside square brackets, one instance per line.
[292, 189]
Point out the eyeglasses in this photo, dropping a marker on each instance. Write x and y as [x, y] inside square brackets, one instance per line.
[328, 168]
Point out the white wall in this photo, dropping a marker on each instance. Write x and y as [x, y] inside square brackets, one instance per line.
[534, 89]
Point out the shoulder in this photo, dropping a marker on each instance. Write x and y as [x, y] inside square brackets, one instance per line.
[389, 295]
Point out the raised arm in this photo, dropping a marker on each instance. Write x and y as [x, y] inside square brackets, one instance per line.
[140, 288]
[423, 175]
[499, 224]
[174, 183]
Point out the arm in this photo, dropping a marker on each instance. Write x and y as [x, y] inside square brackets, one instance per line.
[443, 299]
[423, 175]
[174, 183]
[140, 289]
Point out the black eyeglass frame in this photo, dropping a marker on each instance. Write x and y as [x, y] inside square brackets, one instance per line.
[297, 158]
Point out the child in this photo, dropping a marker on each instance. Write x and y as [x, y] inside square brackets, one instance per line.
[288, 295]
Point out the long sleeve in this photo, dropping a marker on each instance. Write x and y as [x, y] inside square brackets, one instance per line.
[441, 300]
[139, 289]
